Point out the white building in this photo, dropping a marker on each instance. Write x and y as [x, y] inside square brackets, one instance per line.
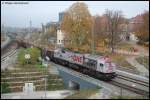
[60, 38]
[133, 37]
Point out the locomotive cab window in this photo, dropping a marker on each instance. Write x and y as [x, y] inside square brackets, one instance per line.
[63, 51]
[101, 65]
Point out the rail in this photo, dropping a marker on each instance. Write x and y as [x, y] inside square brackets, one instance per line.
[130, 88]
[9, 54]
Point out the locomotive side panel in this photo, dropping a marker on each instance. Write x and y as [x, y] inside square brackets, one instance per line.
[69, 56]
[76, 58]
[90, 63]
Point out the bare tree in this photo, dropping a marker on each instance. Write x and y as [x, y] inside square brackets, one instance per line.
[114, 20]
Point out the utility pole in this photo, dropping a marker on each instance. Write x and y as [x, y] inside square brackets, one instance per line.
[93, 44]
[30, 28]
[3, 28]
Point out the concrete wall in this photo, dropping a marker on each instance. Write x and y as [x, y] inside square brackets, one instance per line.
[68, 77]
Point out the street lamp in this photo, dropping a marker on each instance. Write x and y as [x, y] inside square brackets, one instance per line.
[45, 64]
[27, 56]
[121, 91]
[92, 32]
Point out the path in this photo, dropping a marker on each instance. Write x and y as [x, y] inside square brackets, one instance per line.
[59, 94]
[142, 52]
[140, 49]
[3, 44]
[102, 94]
[140, 68]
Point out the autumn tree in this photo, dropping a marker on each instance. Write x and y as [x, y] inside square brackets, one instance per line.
[143, 30]
[97, 28]
[76, 24]
[114, 20]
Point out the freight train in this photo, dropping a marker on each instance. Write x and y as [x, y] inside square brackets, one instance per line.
[100, 67]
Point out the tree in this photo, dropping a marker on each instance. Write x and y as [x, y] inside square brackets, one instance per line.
[114, 20]
[143, 30]
[76, 25]
[100, 29]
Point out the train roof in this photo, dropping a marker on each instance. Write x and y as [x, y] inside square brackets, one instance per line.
[90, 56]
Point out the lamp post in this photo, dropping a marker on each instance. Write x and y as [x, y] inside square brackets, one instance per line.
[45, 64]
[93, 42]
[121, 92]
[142, 56]
[27, 56]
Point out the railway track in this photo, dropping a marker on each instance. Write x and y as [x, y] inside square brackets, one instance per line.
[130, 88]
[140, 86]
[125, 86]
[129, 70]
[12, 45]
[9, 54]
[134, 80]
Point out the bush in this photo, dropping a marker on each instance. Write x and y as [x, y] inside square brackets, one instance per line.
[34, 53]
[144, 61]
[82, 94]
[127, 97]
[39, 66]
[143, 43]
[5, 88]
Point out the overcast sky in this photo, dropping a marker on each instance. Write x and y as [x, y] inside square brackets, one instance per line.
[18, 15]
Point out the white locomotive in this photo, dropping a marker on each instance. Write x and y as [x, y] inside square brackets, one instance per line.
[94, 65]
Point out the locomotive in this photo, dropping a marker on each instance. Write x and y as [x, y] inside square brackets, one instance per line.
[96, 66]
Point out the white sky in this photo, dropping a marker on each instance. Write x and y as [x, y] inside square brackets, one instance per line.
[18, 15]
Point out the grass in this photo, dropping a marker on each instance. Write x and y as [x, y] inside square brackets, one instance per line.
[125, 46]
[120, 60]
[127, 97]
[122, 63]
[21, 74]
[82, 94]
[5, 88]
[59, 83]
[144, 61]
[29, 68]
[39, 66]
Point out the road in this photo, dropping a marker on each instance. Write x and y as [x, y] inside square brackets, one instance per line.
[5, 42]
[132, 60]
[139, 67]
